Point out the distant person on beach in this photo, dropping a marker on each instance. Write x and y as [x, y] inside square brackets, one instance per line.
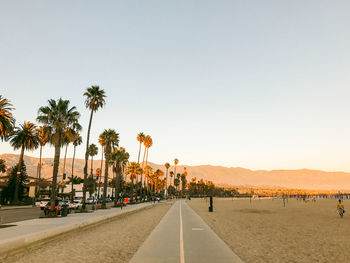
[340, 209]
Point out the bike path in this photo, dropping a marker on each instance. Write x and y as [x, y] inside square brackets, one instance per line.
[182, 236]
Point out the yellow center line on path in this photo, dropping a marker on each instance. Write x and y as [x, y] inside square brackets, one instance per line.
[182, 253]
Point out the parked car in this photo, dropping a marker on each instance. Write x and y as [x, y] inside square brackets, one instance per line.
[77, 204]
[43, 203]
[90, 200]
[69, 203]
[58, 206]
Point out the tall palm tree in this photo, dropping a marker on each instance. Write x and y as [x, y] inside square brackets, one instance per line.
[7, 121]
[110, 141]
[44, 136]
[78, 140]
[93, 151]
[156, 177]
[148, 171]
[57, 116]
[148, 143]
[118, 159]
[24, 138]
[176, 162]
[167, 166]
[101, 142]
[94, 100]
[69, 137]
[133, 170]
[171, 176]
[140, 138]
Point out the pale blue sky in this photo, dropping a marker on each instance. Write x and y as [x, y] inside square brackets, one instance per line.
[259, 84]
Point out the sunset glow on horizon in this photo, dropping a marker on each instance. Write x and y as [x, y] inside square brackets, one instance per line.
[260, 85]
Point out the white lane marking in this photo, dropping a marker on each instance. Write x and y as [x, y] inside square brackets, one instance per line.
[182, 253]
[197, 229]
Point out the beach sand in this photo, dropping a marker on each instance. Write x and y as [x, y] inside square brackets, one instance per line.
[265, 231]
[113, 241]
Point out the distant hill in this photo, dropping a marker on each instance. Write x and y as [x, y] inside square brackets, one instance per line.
[301, 179]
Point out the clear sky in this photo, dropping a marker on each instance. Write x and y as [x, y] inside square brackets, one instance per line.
[258, 84]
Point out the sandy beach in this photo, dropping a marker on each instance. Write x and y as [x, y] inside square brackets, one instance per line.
[113, 241]
[265, 231]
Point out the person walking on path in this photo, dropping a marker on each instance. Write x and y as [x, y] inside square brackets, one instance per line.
[340, 208]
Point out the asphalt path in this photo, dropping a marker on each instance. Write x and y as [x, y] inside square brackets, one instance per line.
[182, 236]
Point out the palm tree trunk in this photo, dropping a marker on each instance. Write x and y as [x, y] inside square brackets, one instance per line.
[132, 189]
[166, 183]
[138, 159]
[64, 167]
[38, 175]
[72, 172]
[64, 161]
[92, 165]
[18, 175]
[99, 179]
[56, 163]
[105, 182]
[86, 159]
[143, 160]
[117, 185]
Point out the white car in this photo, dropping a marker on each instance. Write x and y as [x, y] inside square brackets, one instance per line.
[90, 200]
[77, 204]
[69, 203]
[43, 203]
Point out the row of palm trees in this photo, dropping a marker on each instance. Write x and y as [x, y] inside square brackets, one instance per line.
[60, 127]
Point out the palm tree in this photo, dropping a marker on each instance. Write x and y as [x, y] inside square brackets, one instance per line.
[183, 183]
[93, 151]
[156, 176]
[118, 159]
[94, 99]
[176, 161]
[167, 166]
[7, 121]
[133, 170]
[24, 138]
[177, 181]
[148, 142]
[69, 137]
[75, 180]
[140, 138]
[2, 166]
[101, 142]
[57, 116]
[77, 141]
[44, 136]
[171, 176]
[148, 171]
[110, 141]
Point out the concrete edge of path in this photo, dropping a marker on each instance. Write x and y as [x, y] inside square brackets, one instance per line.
[14, 244]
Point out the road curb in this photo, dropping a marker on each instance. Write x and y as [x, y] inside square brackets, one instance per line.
[14, 244]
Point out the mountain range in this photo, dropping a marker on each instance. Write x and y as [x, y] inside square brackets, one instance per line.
[233, 176]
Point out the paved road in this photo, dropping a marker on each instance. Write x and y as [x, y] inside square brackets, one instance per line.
[26, 213]
[182, 236]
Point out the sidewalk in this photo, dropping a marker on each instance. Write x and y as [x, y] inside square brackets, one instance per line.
[182, 236]
[30, 231]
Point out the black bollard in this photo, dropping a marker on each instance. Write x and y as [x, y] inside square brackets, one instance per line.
[210, 204]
